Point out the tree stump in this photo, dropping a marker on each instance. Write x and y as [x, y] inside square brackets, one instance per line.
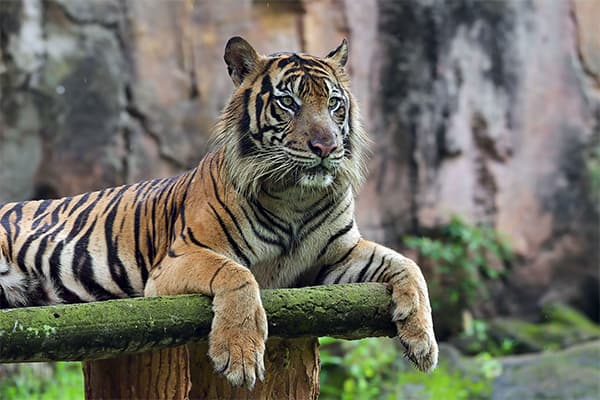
[292, 372]
[160, 374]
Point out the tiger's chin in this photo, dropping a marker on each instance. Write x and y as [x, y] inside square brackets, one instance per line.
[316, 179]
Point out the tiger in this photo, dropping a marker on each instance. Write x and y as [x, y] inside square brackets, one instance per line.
[270, 206]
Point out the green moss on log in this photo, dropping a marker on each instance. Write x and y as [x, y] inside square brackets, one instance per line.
[109, 328]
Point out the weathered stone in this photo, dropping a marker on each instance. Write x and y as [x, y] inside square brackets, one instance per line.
[471, 122]
[588, 41]
[570, 374]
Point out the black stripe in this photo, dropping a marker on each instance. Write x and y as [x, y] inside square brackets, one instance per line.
[395, 274]
[36, 295]
[326, 269]
[246, 145]
[115, 199]
[57, 229]
[3, 299]
[116, 267]
[82, 219]
[83, 268]
[65, 294]
[139, 256]
[212, 279]
[324, 216]
[378, 270]
[153, 220]
[40, 213]
[56, 213]
[259, 235]
[188, 184]
[334, 237]
[23, 250]
[347, 142]
[81, 202]
[339, 278]
[42, 206]
[230, 213]
[5, 222]
[166, 197]
[272, 218]
[312, 215]
[41, 250]
[65, 203]
[196, 241]
[260, 219]
[238, 252]
[365, 268]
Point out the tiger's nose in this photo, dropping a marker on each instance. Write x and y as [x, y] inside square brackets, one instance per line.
[322, 146]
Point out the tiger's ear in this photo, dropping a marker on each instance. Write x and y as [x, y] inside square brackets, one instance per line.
[241, 59]
[339, 56]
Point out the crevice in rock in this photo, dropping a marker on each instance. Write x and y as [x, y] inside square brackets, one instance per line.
[113, 27]
[8, 25]
[45, 191]
[581, 60]
[300, 26]
[82, 21]
[135, 113]
[414, 172]
[486, 190]
[483, 140]
[194, 92]
[125, 162]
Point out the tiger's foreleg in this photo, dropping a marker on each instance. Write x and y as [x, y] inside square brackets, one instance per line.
[371, 262]
[239, 327]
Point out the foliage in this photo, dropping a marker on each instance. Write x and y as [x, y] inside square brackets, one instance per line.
[65, 383]
[374, 369]
[593, 170]
[563, 326]
[351, 370]
[457, 259]
[476, 338]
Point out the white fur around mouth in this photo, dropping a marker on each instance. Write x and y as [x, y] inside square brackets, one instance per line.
[316, 179]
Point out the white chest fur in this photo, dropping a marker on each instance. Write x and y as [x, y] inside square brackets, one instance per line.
[311, 227]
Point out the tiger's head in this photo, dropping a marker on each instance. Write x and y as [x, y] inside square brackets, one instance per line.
[291, 122]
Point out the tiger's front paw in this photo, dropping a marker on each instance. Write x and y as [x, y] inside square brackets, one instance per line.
[237, 342]
[412, 316]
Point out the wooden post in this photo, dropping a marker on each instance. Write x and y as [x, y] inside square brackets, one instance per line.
[160, 374]
[292, 372]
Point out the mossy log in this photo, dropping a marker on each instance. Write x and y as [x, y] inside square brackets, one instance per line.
[118, 327]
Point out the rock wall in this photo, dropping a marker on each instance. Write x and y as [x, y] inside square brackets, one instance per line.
[487, 110]
[483, 109]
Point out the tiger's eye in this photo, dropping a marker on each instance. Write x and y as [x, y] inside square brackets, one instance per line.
[333, 102]
[287, 101]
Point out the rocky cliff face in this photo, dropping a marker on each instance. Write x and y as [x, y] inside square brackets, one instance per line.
[488, 110]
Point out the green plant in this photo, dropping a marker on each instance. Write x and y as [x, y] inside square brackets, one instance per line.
[374, 369]
[475, 338]
[64, 383]
[444, 383]
[457, 258]
[354, 370]
[593, 170]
